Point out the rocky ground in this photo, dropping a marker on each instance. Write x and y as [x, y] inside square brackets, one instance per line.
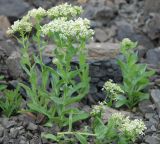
[112, 21]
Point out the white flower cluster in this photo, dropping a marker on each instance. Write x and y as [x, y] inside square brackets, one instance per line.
[37, 13]
[73, 29]
[133, 128]
[20, 26]
[130, 128]
[64, 10]
[97, 109]
[24, 25]
[112, 89]
[128, 44]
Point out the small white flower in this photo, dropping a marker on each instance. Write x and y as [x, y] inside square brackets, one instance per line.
[133, 128]
[112, 89]
[97, 109]
[130, 128]
[73, 29]
[128, 44]
[20, 26]
[64, 10]
[37, 13]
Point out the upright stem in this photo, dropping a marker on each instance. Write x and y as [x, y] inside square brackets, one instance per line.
[73, 133]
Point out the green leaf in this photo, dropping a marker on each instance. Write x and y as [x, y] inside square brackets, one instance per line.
[77, 117]
[50, 137]
[81, 139]
[70, 122]
[144, 97]
[2, 87]
[100, 129]
[121, 100]
[57, 100]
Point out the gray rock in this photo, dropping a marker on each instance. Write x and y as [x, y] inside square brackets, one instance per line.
[96, 51]
[152, 26]
[13, 63]
[32, 126]
[153, 121]
[100, 35]
[155, 95]
[14, 132]
[146, 106]
[109, 111]
[153, 128]
[152, 6]
[93, 89]
[6, 123]
[1, 35]
[148, 115]
[13, 8]
[94, 80]
[7, 47]
[153, 56]
[4, 24]
[1, 130]
[23, 142]
[126, 30]
[101, 83]
[104, 13]
[152, 140]
[41, 3]
[36, 140]
[102, 51]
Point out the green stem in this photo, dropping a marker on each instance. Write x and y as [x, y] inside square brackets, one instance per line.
[109, 103]
[73, 133]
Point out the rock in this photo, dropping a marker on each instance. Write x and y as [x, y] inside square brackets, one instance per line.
[126, 30]
[102, 51]
[13, 63]
[93, 89]
[94, 80]
[23, 142]
[1, 130]
[153, 56]
[7, 47]
[13, 8]
[155, 95]
[32, 126]
[41, 3]
[148, 115]
[146, 106]
[6, 123]
[48, 51]
[109, 111]
[96, 51]
[14, 132]
[100, 35]
[96, 72]
[152, 140]
[152, 26]
[153, 128]
[36, 140]
[4, 23]
[152, 6]
[119, 2]
[2, 35]
[97, 2]
[111, 32]
[104, 13]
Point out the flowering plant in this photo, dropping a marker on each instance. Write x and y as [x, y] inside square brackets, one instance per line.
[112, 91]
[58, 89]
[119, 129]
[135, 76]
